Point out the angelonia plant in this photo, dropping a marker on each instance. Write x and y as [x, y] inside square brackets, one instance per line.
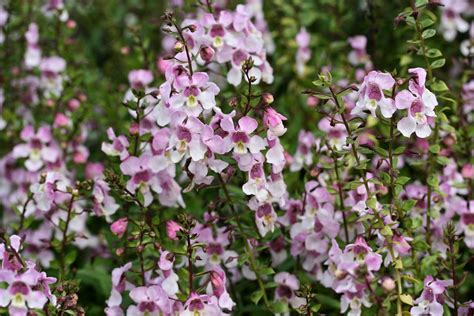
[214, 157]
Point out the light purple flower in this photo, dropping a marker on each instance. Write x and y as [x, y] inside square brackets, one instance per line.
[140, 78]
[241, 137]
[151, 300]
[371, 95]
[431, 299]
[39, 148]
[420, 103]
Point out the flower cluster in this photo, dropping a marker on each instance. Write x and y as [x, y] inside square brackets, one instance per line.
[187, 179]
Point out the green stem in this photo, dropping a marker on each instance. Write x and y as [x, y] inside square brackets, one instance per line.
[369, 196]
[249, 252]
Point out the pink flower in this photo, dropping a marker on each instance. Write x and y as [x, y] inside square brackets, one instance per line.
[468, 171]
[431, 300]
[52, 66]
[274, 121]
[201, 305]
[119, 146]
[140, 78]
[242, 140]
[196, 94]
[303, 54]
[287, 285]
[21, 293]
[218, 282]
[142, 171]
[119, 227]
[420, 103]
[371, 95]
[172, 228]
[358, 55]
[451, 19]
[150, 301]
[39, 148]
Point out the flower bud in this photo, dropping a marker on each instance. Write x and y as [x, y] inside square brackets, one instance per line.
[207, 53]
[61, 120]
[267, 98]
[119, 251]
[73, 104]
[233, 102]
[124, 50]
[388, 284]
[468, 171]
[178, 47]
[82, 97]
[172, 228]
[119, 227]
[71, 24]
[134, 129]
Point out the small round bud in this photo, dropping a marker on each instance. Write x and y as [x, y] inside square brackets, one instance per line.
[233, 102]
[268, 98]
[388, 284]
[124, 50]
[119, 251]
[314, 172]
[82, 97]
[207, 53]
[119, 227]
[134, 129]
[178, 47]
[73, 104]
[71, 24]
[192, 28]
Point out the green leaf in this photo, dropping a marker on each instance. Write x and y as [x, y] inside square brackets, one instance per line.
[267, 271]
[399, 150]
[403, 180]
[433, 53]
[407, 299]
[420, 3]
[428, 33]
[442, 160]
[315, 308]
[439, 86]
[411, 279]
[382, 152]
[70, 257]
[435, 148]
[433, 181]
[426, 22]
[280, 307]
[386, 231]
[372, 202]
[438, 63]
[256, 296]
[408, 205]
[140, 197]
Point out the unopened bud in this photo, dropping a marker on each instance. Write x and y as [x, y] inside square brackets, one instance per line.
[178, 47]
[267, 98]
[119, 251]
[233, 102]
[134, 129]
[388, 284]
[207, 53]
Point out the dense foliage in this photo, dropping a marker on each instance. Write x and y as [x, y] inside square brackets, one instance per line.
[216, 157]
